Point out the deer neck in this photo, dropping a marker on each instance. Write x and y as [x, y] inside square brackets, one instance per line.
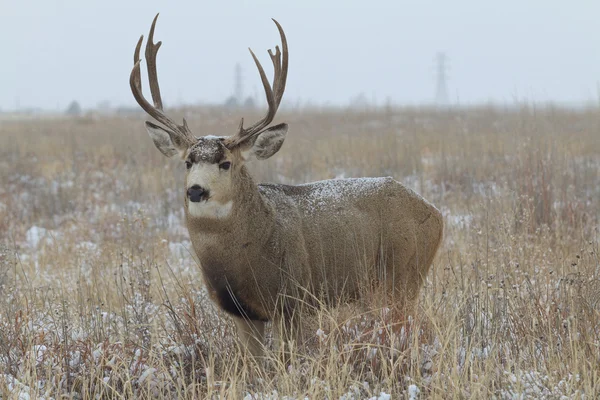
[251, 216]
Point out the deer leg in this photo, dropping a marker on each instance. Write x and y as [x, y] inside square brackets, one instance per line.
[251, 335]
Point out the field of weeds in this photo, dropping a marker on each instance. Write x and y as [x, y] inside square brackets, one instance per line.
[100, 296]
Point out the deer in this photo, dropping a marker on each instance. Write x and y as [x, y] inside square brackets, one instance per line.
[268, 251]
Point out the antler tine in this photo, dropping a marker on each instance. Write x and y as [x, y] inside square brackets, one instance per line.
[151, 52]
[272, 107]
[273, 93]
[135, 82]
[279, 85]
[276, 59]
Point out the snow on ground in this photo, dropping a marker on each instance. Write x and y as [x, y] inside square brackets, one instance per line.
[461, 221]
[531, 385]
[413, 392]
[520, 384]
[19, 390]
[36, 236]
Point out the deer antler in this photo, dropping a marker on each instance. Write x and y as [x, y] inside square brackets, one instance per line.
[274, 94]
[181, 132]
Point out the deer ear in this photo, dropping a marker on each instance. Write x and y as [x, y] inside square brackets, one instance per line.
[164, 140]
[267, 143]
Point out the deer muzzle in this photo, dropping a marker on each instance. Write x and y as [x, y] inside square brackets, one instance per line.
[196, 194]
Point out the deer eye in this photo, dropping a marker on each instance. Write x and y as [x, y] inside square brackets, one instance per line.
[188, 164]
[225, 165]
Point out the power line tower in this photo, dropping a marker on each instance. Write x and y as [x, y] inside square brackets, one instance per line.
[238, 88]
[237, 97]
[441, 87]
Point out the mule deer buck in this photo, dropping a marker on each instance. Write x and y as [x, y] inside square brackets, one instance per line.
[267, 250]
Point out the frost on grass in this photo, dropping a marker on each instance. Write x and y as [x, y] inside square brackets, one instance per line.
[100, 296]
[18, 390]
[531, 385]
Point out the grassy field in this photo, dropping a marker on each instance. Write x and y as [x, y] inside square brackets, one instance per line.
[100, 296]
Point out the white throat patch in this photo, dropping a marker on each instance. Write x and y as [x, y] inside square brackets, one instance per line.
[210, 209]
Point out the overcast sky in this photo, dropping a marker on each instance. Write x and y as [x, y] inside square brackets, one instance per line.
[54, 52]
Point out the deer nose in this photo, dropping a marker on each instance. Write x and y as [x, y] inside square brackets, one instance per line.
[196, 193]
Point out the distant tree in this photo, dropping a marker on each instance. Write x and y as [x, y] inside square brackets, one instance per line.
[231, 102]
[249, 103]
[74, 109]
[359, 102]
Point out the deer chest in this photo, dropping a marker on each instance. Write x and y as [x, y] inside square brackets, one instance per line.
[232, 294]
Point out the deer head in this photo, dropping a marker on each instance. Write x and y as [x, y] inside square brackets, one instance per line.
[213, 162]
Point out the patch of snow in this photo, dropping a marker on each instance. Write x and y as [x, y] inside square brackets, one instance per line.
[34, 236]
[37, 352]
[328, 194]
[460, 220]
[382, 396]
[321, 334]
[413, 392]
[97, 353]
[37, 236]
[177, 350]
[87, 246]
[525, 385]
[411, 181]
[206, 148]
[19, 390]
[178, 250]
[486, 189]
[147, 374]
[175, 223]
[75, 359]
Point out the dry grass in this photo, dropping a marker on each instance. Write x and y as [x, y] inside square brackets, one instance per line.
[100, 298]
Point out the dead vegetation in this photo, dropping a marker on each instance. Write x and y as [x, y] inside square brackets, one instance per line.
[100, 297]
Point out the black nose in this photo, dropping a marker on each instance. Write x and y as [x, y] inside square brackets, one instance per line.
[196, 193]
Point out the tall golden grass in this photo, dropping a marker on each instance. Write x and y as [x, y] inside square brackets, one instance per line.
[100, 296]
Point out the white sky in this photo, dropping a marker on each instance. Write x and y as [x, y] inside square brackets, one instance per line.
[57, 51]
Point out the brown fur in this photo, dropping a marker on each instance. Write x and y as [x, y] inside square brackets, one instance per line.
[286, 246]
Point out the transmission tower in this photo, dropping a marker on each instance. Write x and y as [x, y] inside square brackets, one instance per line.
[441, 88]
[238, 89]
